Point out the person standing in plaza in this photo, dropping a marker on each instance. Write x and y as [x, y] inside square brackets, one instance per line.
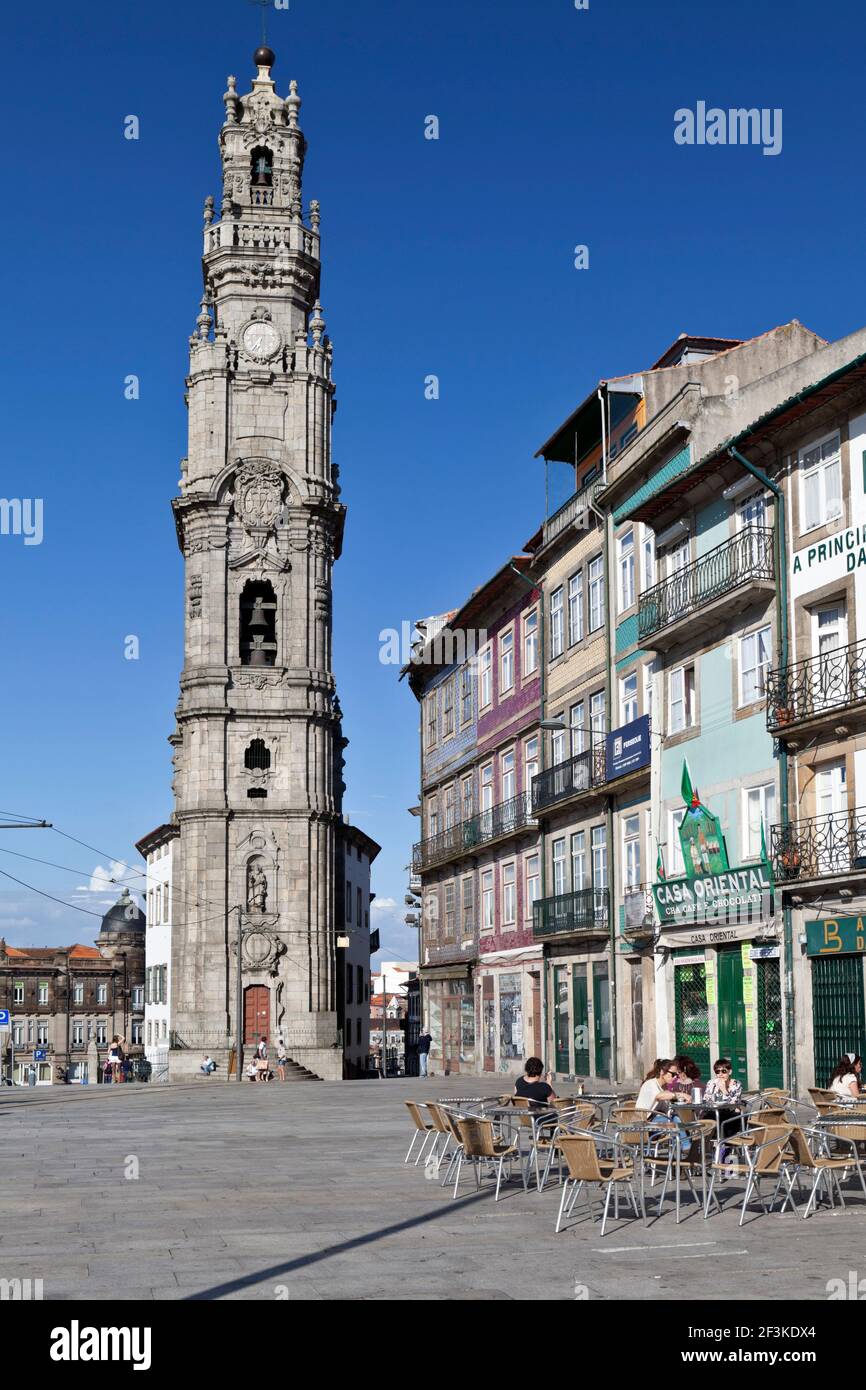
[424, 1041]
[282, 1059]
[262, 1059]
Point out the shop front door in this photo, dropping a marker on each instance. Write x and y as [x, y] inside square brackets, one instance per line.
[770, 1041]
[732, 1011]
[257, 1014]
[692, 1014]
[837, 1011]
[581, 1020]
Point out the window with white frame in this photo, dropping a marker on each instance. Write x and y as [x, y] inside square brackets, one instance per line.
[487, 900]
[628, 698]
[674, 863]
[448, 709]
[631, 855]
[466, 695]
[42, 1034]
[530, 642]
[556, 620]
[625, 567]
[165, 902]
[466, 798]
[532, 878]
[821, 493]
[42, 992]
[433, 816]
[575, 608]
[578, 861]
[597, 716]
[759, 807]
[677, 557]
[596, 593]
[18, 992]
[509, 895]
[506, 662]
[450, 796]
[752, 511]
[450, 920]
[485, 671]
[577, 725]
[558, 859]
[101, 1034]
[487, 787]
[530, 768]
[18, 1034]
[430, 720]
[754, 664]
[598, 840]
[138, 997]
[557, 744]
[682, 699]
[78, 1035]
[648, 559]
[468, 905]
[508, 775]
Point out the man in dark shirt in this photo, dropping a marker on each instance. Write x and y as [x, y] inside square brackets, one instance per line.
[424, 1041]
[532, 1085]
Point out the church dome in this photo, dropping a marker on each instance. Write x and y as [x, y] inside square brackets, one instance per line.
[125, 915]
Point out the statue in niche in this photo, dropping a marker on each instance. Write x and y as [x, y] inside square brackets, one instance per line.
[257, 888]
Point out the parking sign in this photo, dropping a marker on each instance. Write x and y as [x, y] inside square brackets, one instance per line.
[4, 1018]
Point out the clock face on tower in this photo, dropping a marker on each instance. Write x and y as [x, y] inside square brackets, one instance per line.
[261, 340]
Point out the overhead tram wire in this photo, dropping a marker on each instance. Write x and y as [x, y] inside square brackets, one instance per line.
[31, 887]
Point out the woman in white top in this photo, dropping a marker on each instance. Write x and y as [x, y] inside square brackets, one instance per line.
[652, 1095]
[845, 1079]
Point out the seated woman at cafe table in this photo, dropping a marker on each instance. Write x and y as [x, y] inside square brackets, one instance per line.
[688, 1075]
[725, 1092]
[533, 1085]
[845, 1080]
[654, 1096]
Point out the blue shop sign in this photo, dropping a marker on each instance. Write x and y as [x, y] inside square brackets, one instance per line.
[628, 748]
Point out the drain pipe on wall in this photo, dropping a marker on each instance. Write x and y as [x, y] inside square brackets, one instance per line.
[781, 557]
[541, 764]
[613, 914]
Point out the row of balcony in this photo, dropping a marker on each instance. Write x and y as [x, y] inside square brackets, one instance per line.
[727, 578]
[574, 777]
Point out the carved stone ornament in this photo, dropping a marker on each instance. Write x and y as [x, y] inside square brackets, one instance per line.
[259, 492]
[261, 947]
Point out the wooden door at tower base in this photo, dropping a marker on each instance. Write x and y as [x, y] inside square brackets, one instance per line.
[257, 1014]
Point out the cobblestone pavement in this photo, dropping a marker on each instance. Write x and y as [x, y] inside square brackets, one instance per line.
[223, 1191]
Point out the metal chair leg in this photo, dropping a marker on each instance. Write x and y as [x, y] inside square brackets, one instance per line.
[606, 1205]
[562, 1201]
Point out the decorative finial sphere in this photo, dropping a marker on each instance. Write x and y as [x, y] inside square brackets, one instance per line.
[264, 57]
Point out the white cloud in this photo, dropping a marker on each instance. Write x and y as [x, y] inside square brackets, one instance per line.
[383, 904]
[107, 882]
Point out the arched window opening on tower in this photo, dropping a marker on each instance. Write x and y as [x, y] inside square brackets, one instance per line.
[258, 630]
[258, 755]
[261, 175]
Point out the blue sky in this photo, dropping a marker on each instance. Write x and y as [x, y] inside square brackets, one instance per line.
[451, 257]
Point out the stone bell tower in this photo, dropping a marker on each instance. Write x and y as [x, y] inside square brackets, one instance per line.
[258, 781]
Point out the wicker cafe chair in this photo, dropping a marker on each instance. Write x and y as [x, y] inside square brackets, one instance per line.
[586, 1168]
[483, 1148]
[823, 1167]
[819, 1096]
[763, 1152]
[421, 1128]
[691, 1162]
[453, 1145]
[444, 1134]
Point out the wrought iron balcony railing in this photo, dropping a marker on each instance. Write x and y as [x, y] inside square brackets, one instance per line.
[464, 836]
[569, 511]
[745, 558]
[831, 844]
[637, 916]
[586, 910]
[821, 684]
[564, 780]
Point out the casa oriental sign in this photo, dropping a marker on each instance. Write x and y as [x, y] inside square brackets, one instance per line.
[712, 889]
